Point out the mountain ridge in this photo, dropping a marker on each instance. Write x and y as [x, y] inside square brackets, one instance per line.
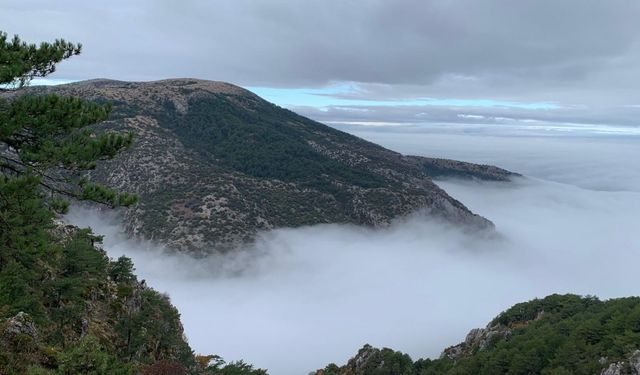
[213, 164]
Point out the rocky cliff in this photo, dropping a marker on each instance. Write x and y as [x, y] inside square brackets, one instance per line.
[630, 366]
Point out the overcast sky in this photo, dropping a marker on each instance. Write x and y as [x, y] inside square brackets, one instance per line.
[391, 62]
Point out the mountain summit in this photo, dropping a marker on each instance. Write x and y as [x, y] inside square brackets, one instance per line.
[214, 163]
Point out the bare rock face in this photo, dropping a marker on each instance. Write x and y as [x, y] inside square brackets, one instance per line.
[370, 360]
[634, 361]
[613, 369]
[629, 367]
[19, 325]
[213, 164]
[477, 339]
[19, 339]
[362, 359]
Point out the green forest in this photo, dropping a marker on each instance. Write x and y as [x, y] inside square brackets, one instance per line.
[556, 335]
[257, 142]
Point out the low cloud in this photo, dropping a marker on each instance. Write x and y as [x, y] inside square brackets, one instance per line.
[597, 119]
[588, 158]
[300, 298]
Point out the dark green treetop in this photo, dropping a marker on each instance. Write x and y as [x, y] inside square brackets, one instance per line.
[20, 62]
[48, 136]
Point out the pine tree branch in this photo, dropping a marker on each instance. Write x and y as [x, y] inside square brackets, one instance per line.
[32, 168]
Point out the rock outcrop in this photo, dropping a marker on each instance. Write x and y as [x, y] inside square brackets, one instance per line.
[477, 339]
[20, 325]
[370, 360]
[628, 367]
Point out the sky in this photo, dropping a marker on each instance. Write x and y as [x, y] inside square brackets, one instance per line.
[407, 62]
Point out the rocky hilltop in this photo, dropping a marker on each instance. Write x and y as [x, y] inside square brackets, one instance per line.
[559, 334]
[214, 163]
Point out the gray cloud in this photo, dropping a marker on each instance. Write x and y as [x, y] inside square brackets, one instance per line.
[492, 44]
[624, 116]
[304, 297]
[582, 55]
[596, 162]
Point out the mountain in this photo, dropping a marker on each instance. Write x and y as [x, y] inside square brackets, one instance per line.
[556, 335]
[213, 164]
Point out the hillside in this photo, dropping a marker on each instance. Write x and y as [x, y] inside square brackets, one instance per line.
[67, 308]
[213, 164]
[73, 310]
[560, 335]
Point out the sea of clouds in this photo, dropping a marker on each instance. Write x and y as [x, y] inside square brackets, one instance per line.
[301, 298]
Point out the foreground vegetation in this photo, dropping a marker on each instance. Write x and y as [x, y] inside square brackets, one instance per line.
[65, 307]
[557, 335]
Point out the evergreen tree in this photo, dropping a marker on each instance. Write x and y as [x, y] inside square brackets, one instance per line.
[45, 144]
[48, 136]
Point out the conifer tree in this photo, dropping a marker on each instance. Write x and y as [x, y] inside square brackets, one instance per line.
[46, 138]
[45, 145]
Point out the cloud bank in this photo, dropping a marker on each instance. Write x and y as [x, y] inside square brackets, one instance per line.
[594, 159]
[301, 298]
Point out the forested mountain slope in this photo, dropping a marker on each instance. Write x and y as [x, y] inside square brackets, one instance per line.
[213, 163]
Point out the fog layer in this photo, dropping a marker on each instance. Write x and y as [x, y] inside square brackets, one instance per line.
[573, 156]
[301, 298]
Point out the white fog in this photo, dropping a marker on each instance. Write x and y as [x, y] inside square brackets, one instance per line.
[315, 295]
